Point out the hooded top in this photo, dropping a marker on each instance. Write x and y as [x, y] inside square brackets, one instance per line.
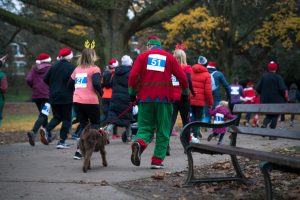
[120, 100]
[35, 80]
[201, 82]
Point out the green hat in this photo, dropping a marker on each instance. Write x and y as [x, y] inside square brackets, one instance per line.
[153, 40]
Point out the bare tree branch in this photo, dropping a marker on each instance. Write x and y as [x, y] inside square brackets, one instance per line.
[11, 38]
[77, 15]
[37, 27]
[156, 17]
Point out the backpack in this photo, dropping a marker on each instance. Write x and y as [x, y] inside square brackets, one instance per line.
[292, 96]
[107, 78]
[213, 82]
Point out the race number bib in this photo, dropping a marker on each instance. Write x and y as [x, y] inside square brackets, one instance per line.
[81, 80]
[156, 62]
[234, 90]
[46, 109]
[175, 82]
[219, 118]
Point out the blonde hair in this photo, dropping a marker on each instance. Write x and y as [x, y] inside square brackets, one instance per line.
[180, 56]
[223, 103]
[87, 58]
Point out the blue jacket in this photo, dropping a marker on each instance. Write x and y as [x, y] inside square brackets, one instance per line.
[219, 80]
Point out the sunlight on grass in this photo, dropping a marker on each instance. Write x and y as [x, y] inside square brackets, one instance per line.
[19, 123]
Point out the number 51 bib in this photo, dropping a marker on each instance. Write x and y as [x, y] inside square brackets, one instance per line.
[156, 62]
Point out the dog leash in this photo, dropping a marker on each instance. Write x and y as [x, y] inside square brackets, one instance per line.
[123, 112]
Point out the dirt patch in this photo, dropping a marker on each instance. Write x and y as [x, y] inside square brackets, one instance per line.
[165, 185]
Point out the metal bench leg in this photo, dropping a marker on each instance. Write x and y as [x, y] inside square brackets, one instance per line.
[265, 168]
[190, 175]
[239, 172]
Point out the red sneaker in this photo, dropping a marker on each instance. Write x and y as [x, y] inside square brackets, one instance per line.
[115, 136]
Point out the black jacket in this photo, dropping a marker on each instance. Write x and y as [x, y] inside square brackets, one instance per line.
[271, 88]
[57, 78]
[120, 100]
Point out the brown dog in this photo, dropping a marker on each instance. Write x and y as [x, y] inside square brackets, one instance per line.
[92, 140]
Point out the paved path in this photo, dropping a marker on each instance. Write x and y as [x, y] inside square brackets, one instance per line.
[44, 172]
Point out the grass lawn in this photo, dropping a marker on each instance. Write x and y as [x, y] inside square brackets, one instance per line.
[18, 123]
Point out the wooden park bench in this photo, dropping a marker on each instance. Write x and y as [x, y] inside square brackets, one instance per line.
[268, 160]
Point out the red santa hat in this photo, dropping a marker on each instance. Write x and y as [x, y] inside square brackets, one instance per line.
[272, 66]
[113, 63]
[65, 53]
[42, 58]
[211, 65]
[249, 84]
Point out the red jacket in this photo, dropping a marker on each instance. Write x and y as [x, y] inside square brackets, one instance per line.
[177, 88]
[202, 86]
[250, 93]
[150, 76]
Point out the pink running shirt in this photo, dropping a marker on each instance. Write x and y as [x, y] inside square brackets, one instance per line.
[84, 91]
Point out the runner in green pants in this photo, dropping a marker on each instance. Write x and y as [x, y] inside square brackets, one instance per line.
[155, 116]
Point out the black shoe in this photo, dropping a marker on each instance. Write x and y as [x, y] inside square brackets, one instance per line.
[168, 151]
[77, 156]
[136, 154]
[31, 138]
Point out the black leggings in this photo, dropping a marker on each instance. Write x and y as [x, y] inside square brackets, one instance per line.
[197, 112]
[184, 109]
[42, 119]
[88, 113]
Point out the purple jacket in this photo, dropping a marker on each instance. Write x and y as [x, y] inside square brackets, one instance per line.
[221, 114]
[35, 80]
[236, 91]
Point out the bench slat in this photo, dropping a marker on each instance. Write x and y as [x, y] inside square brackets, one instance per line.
[281, 133]
[284, 108]
[280, 159]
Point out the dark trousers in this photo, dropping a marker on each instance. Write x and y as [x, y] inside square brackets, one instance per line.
[61, 113]
[105, 109]
[88, 113]
[197, 112]
[42, 119]
[231, 105]
[183, 108]
[270, 119]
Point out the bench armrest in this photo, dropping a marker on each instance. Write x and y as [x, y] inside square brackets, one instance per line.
[186, 131]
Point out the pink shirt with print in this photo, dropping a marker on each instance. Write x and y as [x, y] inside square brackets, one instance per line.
[84, 91]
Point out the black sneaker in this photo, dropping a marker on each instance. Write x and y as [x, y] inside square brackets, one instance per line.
[136, 154]
[31, 138]
[77, 156]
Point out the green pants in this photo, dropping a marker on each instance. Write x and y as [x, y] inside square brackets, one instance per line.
[155, 117]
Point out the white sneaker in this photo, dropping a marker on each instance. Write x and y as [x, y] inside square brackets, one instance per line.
[194, 139]
[61, 145]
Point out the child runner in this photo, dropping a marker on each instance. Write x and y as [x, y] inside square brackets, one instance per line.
[221, 114]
